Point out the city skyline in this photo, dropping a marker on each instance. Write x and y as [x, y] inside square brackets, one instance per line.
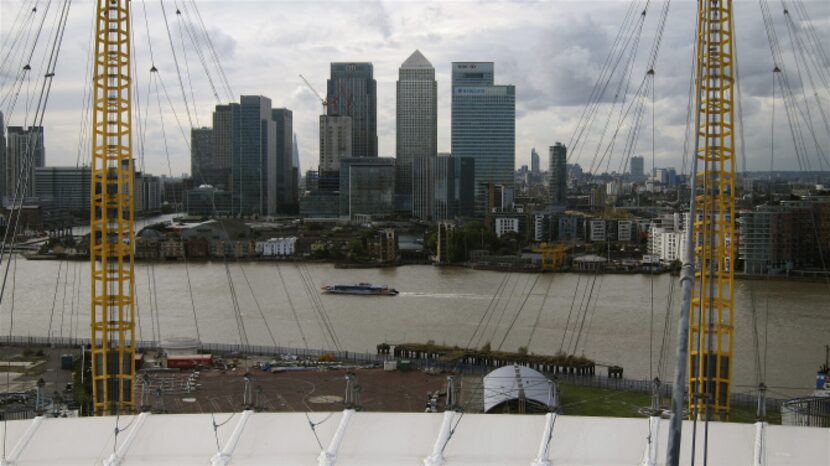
[552, 85]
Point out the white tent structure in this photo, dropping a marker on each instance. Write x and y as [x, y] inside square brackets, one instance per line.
[389, 439]
[512, 382]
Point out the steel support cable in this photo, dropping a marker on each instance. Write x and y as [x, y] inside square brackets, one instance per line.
[54, 300]
[291, 306]
[321, 309]
[197, 46]
[25, 69]
[539, 315]
[599, 86]
[661, 361]
[11, 56]
[570, 311]
[518, 312]
[309, 290]
[815, 42]
[806, 43]
[15, 68]
[86, 101]
[585, 293]
[487, 309]
[16, 31]
[155, 294]
[621, 91]
[37, 120]
[212, 49]
[501, 314]
[798, 52]
[258, 306]
[499, 296]
[176, 62]
[595, 296]
[632, 139]
[622, 119]
[187, 66]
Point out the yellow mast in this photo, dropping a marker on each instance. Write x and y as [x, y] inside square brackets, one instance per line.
[711, 316]
[112, 234]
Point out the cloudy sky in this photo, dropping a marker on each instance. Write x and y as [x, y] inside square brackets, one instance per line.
[552, 51]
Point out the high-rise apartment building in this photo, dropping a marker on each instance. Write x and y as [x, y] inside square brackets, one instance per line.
[483, 126]
[352, 91]
[417, 132]
[534, 162]
[558, 183]
[24, 149]
[335, 145]
[637, 168]
[286, 187]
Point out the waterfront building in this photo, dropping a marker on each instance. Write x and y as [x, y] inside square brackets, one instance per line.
[254, 169]
[66, 188]
[483, 126]
[320, 204]
[208, 201]
[24, 149]
[558, 183]
[667, 237]
[625, 230]
[417, 133]
[637, 170]
[286, 175]
[277, 247]
[147, 190]
[367, 186]
[453, 187]
[352, 91]
[335, 145]
[506, 224]
[597, 230]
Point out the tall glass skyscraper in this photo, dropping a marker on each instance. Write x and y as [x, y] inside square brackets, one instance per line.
[25, 149]
[287, 196]
[417, 132]
[558, 184]
[483, 126]
[352, 91]
[255, 166]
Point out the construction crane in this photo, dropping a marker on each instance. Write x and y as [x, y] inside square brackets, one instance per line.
[112, 227]
[319, 97]
[711, 315]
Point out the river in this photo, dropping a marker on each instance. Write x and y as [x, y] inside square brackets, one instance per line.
[440, 304]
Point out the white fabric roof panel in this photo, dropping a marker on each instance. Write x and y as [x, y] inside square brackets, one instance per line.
[392, 439]
[504, 383]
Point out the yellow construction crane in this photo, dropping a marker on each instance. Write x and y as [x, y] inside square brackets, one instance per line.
[711, 314]
[112, 228]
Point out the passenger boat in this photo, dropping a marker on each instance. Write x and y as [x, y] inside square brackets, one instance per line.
[360, 289]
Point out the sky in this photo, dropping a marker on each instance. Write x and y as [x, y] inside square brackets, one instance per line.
[552, 51]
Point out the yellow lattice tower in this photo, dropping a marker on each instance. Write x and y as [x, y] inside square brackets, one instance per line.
[553, 256]
[711, 317]
[111, 235]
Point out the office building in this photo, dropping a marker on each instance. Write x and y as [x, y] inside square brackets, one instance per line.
[24, 149]
[367, 186]
[286, 182]
[534, 162]
[453, 187]
[295, 165]
[335, 145]
[637, 168]
[417, 133]
[255, 167]
[352, 91]
[201, 152]
[66, 188]
[225, 136]
[148, 193]
[483, 126]
[558, 184]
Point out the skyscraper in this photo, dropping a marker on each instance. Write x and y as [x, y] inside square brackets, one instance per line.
[352, 91]
[335, 145]
[417, 132]
[367, 186]
[201, 153]
[25, 149]
[287, 200]
[534, 162]
[483, 126]
[255, 166]
[225, 145]
[637, 168]
[454, 187]
[558, 185]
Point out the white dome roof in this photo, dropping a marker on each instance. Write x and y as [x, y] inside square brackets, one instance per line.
[505, 384]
